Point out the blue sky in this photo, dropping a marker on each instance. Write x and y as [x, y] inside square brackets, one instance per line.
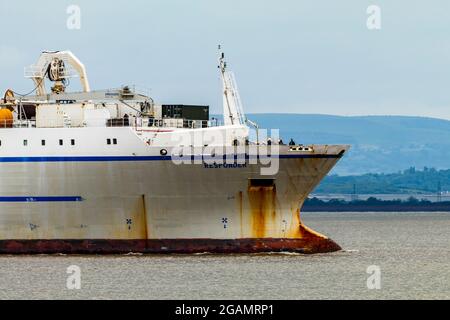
[288, 56]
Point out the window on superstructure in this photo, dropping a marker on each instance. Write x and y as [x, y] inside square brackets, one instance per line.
[60, 142]
[25, 142]
[72, 142]
[43, 142]
[108, 141]
[114, 141]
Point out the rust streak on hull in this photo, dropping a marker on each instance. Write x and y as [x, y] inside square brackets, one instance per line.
[105, 246]
[262, 202]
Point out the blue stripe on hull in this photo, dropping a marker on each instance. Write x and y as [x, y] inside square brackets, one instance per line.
[143, 158]
[42, 199]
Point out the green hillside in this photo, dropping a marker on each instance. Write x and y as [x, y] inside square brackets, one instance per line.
[409, 181]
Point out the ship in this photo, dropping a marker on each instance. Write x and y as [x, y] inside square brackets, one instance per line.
[113, 171]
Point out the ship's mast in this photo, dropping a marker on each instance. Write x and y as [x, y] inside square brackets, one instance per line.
[232, 107]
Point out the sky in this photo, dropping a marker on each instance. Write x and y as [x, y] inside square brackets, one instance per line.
[289, 56]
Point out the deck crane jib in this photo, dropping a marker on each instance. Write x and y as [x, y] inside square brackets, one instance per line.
[58, 67]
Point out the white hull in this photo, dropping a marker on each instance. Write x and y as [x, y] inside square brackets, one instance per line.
[137, 194]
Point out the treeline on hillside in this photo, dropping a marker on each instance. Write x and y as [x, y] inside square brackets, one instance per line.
[410, 181]
[373, 204]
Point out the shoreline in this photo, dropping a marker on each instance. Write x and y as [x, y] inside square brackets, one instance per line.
[374, 205]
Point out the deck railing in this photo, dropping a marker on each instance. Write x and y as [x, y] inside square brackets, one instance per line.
[119, 122]
[6, 123]
[162, 123]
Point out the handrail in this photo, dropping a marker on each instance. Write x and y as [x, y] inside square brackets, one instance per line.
[115, 122]
[9, 123]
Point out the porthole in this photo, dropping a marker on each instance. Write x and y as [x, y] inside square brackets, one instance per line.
[163, 152]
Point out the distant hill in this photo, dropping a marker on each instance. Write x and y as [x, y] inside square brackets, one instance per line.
[380, 144]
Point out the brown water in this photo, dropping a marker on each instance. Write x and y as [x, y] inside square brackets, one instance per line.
[411, 249]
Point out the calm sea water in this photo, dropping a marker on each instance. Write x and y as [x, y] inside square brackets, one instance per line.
[411, 249]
